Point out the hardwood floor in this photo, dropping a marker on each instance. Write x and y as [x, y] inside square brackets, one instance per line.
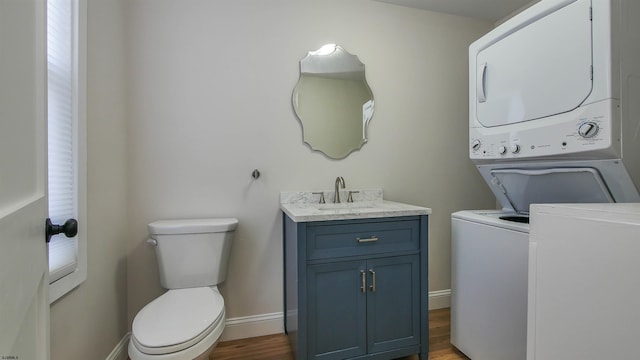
[439, 329]
[276, 347]
[270, 347]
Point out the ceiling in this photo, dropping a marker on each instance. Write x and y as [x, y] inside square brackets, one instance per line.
[492, 10]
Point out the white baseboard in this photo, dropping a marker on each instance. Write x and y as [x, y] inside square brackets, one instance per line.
[120, 352]
[439, 299]
[252, 326]
[267, 324]
[235, 328]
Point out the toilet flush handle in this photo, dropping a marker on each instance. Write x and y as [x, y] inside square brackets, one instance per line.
[152, 242]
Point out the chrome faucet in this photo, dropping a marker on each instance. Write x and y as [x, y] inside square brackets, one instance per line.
[339, 183]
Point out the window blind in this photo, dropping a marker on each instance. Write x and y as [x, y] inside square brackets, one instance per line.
[61, 135]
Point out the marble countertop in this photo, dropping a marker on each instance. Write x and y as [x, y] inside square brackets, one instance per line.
[305, 206]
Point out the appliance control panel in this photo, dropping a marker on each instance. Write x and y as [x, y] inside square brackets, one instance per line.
[591, 127]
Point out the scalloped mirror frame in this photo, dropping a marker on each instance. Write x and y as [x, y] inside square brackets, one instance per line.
[333, 101]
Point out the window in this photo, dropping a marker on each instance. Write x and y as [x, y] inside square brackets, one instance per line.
[66, 72]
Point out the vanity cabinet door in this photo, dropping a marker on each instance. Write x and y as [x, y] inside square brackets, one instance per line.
[360, 307]
[337, 310]
[393, 306]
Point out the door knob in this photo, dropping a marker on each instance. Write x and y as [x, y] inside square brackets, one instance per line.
[69, 228]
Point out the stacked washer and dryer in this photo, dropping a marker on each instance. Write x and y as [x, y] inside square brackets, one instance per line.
[554, 100]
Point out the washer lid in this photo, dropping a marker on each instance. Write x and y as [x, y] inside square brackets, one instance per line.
[521, 187]
[178, 317]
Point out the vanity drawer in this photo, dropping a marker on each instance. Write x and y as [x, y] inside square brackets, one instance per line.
[362, 238]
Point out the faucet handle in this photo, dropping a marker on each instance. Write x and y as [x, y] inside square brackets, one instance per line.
[350, 197]
[321, 193]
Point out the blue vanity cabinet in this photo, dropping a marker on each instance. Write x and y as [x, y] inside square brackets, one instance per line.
[356, 289]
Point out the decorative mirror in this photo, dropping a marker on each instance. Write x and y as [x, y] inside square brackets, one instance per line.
[333, 101]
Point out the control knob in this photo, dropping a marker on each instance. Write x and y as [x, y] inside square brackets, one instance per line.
[515, 148]
[588, 129]
[502, 150]
[475, 145]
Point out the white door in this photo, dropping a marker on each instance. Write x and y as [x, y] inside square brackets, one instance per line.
[541, 69]
[24, 304]
[583, 282]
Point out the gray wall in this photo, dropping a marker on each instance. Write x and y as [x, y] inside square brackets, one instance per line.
[209, 91]
[186, 98]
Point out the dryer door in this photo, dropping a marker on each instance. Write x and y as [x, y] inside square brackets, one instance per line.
[540, 68]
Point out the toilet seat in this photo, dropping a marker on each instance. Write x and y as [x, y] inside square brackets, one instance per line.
[178, 320]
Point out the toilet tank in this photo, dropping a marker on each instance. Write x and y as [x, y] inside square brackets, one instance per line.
[192, 252]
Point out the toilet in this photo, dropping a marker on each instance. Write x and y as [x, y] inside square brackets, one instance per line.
[185, 322]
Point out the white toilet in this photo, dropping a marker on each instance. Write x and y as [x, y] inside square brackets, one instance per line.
[185, 322]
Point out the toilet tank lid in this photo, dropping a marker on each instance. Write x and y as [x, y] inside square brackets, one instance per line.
[192, 226]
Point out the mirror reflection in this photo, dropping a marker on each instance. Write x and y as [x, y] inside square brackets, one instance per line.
[333, 101]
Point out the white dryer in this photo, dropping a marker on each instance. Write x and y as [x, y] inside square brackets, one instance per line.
[554, 89]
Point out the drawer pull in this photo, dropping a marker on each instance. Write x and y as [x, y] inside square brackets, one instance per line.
[363, 288]
[368, 240]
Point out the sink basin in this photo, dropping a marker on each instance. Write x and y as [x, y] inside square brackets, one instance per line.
[345, 206]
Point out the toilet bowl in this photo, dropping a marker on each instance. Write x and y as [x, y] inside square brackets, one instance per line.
[185, 322]
[180, 324]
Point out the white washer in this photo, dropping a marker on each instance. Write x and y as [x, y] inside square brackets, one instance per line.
[489, 285]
